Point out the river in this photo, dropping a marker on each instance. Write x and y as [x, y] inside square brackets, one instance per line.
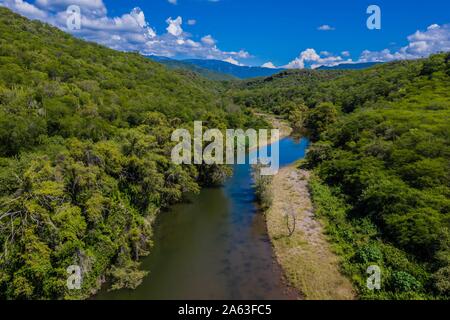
[215, 246]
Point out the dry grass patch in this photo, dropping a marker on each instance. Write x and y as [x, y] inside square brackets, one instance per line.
[303, 250]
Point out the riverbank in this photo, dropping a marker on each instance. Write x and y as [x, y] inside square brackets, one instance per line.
[215, 245]
[277, 123]
[303, 251]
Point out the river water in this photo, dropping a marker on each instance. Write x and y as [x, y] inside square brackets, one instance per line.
[216, 246]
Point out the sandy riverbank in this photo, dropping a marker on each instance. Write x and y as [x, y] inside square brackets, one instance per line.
[306, 257]
[277, 123]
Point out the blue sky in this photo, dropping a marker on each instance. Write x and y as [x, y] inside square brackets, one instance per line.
[253, 32]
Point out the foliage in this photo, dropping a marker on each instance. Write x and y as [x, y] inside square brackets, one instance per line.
[381, 154]
[387, 157]
[85, 160]
[85, 157]
[262, 187]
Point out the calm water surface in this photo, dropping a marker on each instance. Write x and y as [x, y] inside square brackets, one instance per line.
[216, 246]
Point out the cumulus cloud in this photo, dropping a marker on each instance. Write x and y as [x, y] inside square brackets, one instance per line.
[174, 27]
[311, 57]
[128, 32]
[420, 44]
[325, 27]
[24, 8]
[233, 61]
[269, 65]
[208, 40]
[436, 38]
[89, 7]
[240, 54]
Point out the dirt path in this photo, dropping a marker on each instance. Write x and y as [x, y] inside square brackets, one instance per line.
[305, 256]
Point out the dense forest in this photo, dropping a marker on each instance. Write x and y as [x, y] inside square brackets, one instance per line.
[381, 158]
[85, 160]
[85, 157]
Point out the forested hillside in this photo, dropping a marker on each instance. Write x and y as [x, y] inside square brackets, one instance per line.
[283, 93]
[85, 157]
[182, 65]
[381, 156]
[238, 71]
[85, 160]
[349, 66]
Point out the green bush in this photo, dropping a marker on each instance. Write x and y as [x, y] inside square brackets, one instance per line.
[369, 253]
[404, 282]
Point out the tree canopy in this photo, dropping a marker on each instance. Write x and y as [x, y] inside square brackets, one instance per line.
[85, 157]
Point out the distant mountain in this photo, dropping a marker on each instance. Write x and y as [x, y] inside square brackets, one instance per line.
[216, 69]
[242, 72]
[350, 66]
[221, 70]
[179, 64]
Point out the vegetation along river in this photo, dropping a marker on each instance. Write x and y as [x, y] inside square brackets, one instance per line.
[216, 246]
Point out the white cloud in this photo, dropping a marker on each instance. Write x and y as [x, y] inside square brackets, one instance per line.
[269, 65]
[325, 27]
[174, 27]
[208, 40]
[436, 38]
[233, 61]
[299, 63]
[192, 22]
[131, 28]
[24, 8]
[240, 54]
[172, 1]
[420, 44]
[315, 60]
[433, 27]
[88, 7]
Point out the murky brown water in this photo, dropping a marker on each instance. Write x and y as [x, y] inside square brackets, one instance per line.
[216, 246]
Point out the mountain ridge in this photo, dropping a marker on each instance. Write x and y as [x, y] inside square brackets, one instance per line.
[182, 65]
[222, 70]
[217, 69]
[350, 66]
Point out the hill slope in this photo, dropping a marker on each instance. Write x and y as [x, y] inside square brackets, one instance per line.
[350, 66]
[178, 64]
[85, 157]
[241, 72]
[380, 159]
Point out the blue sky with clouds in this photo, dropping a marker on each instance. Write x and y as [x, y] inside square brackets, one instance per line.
[289, 33]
